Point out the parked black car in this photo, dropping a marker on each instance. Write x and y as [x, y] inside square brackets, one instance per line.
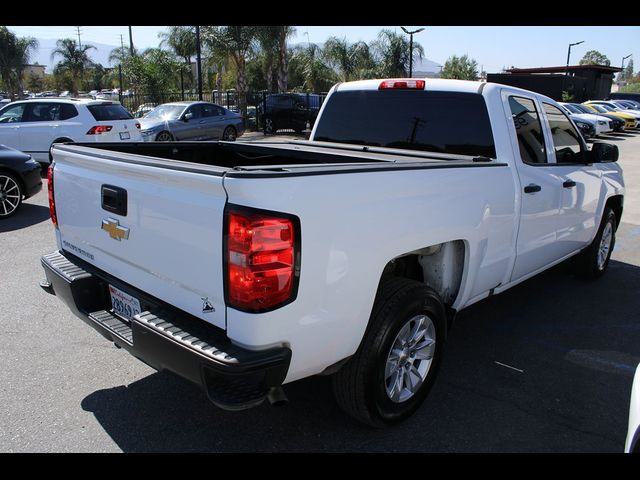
[624, 96]
[19, 179]
[290, 111]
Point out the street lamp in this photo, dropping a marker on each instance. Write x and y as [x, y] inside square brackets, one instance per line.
[622, 72]
[411, 48]
[569, 54]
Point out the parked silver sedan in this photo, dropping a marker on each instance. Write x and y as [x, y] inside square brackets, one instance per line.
[190, 121]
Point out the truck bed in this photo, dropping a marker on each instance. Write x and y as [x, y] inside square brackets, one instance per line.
[299, 157]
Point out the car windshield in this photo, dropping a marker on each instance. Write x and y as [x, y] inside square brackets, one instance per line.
[581, 108]
[165, 112]
[572, 108]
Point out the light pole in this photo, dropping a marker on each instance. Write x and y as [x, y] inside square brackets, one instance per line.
[622, 72]
[569, 54]
[411, 48]
[566, 73]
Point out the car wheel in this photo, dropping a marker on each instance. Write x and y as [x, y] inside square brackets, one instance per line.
[229, 134]
[594, 260]
[10, 194]
[396, 363]
[164, 137]
[269, 125]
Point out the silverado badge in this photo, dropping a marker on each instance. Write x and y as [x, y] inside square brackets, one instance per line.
[115, 230]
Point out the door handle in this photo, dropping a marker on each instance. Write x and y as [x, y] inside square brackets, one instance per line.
[532, 188]
[569, 184]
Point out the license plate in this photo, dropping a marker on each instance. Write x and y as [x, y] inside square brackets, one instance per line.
[124, 304]
[125, 136]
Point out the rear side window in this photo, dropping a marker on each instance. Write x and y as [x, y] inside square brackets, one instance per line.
[109, 111]
[528, 129]
[68, 111]
[566, 139]
[443, 122]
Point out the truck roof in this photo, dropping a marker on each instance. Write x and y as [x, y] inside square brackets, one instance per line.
[431, 84]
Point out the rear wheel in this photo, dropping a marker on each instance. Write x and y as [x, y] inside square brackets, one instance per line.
[10, 194]
[269, 125]
[164, 137]
[229, 134]
[594, 260]
[395, 366]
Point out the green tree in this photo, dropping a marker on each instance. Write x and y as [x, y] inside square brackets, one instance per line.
[309, 70]
[594, 57]
[392, 54]
[460, 68]
[152, 73]
[284, 33]
[181, 40]
[34, 82]
[627, 73]
[14, 56]
[75, 60]
[269, 41]
[347, 60]
[238, 42]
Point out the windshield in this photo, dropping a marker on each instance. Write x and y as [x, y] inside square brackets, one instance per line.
[581, 108]
[444, 122]
[572, 109]
[165, 112]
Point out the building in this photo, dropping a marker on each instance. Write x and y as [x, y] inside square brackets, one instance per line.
[37, 70]
[583, 82]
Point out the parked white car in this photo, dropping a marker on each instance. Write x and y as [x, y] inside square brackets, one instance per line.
[600, 123]
[33, 125]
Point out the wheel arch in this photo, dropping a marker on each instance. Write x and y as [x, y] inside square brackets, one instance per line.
[616, 202]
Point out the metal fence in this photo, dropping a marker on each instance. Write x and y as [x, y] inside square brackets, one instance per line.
[139, 103]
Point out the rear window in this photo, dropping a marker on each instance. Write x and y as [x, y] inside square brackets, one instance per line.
[109, 111]
[443, 122]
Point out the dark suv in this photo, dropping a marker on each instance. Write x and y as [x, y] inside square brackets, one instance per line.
[289, 111]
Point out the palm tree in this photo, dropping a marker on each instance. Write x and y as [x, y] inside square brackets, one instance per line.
[14, 56]
[318, 76]
[268, 38]
[392, 52]
[349, 60]
[182, 42]
[238, 42]
[74, 59]
[284, 32]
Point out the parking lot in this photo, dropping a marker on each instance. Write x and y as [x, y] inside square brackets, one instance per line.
[544, 367]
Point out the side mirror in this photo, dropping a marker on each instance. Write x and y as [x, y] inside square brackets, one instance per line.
[602, 152]
[187, 116]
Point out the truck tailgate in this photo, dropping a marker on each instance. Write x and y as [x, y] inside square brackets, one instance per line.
[169, 242]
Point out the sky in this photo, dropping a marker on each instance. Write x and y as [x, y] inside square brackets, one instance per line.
[492, 47]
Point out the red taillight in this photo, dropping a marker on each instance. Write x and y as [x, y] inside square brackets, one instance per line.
[261, 260]
[138, 125]
[98, 129]
[406, 83]
[52, 201]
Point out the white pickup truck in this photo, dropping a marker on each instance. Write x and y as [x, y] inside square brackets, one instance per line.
[244, 267]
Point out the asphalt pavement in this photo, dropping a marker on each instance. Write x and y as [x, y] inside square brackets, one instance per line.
[544, 367]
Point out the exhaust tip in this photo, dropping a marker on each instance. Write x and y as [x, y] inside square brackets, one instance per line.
[277, 397]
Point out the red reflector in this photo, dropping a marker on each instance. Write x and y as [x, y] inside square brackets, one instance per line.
[406, 83]
[138, 125]
[52, 202]
[261, 251]
[99, 129]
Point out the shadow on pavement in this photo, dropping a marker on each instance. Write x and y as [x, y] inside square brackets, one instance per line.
[544, 367]
[28, 214]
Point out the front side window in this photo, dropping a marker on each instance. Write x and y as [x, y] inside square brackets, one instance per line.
[12, 114]
[528, 129]
[566, 139]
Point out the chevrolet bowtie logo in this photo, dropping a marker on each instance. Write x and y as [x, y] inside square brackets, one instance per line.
[112, 226]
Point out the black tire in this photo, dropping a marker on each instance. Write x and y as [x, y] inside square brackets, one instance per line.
[11, 194]
[360, 386]
[230, 134]
[589, 263]
[164, 136]
[269, 125]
